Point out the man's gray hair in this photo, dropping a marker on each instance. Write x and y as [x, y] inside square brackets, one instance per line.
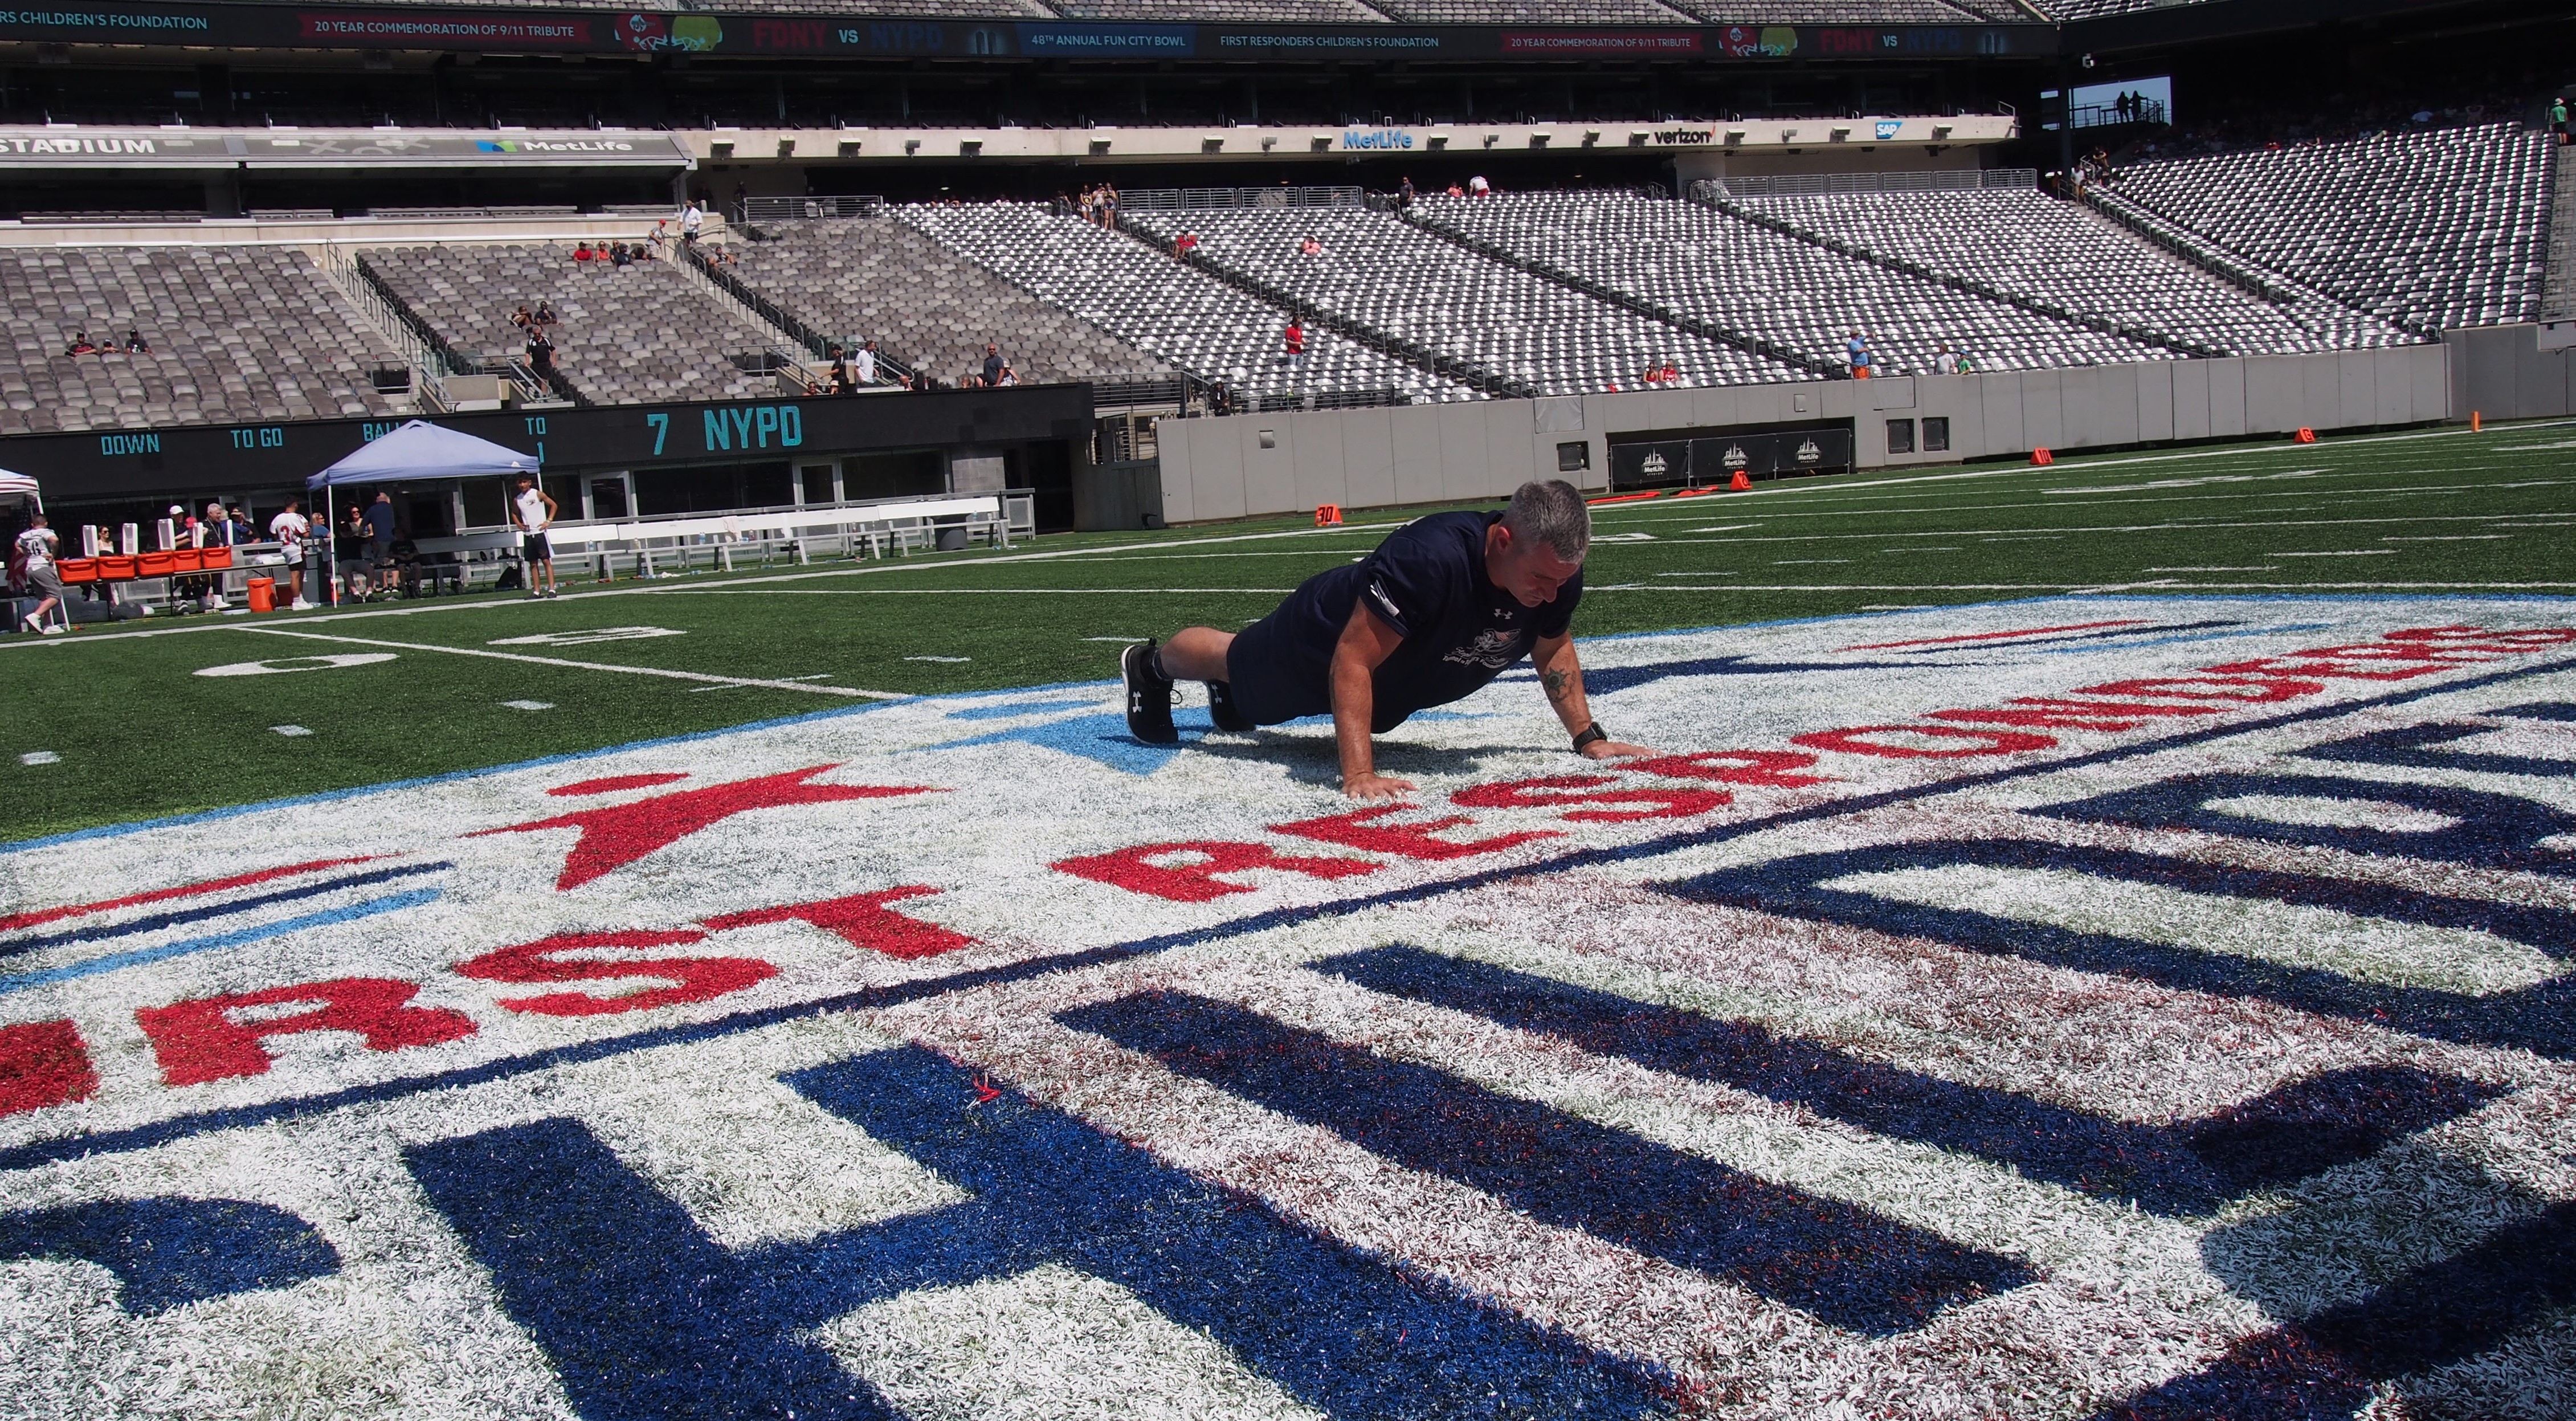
[1550, 511]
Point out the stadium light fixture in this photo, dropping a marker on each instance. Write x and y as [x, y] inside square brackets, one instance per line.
[1840, 135]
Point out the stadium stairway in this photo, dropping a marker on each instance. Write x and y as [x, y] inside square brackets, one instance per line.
[2558, 287]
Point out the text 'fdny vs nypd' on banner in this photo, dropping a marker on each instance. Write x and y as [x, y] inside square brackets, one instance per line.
[2054, 1009]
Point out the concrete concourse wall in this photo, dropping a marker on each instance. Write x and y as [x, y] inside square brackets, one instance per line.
[1283, 462]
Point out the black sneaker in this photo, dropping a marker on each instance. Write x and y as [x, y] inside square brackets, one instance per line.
[1149, 696]
[1222, 709]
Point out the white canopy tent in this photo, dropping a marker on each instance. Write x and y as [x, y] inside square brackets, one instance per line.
[18, 488]
[415, 452]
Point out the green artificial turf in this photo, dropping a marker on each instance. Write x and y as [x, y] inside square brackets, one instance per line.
[137, 734]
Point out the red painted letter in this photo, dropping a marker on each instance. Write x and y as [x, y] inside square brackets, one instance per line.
[1411, 841]
[1997, 742]
[693, 979]
[1753, 767]
[43, 1063]
[864, 920]
[200, 1041]
[1527, 794]
[1196, 882]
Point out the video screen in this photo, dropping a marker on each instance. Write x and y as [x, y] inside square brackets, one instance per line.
[2128, 101]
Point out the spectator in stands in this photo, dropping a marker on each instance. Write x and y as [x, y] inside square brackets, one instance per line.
[2558, 119]
[524, 319]
[655, 243]
[838, 378]
[583, 256]
[863, 366]
[1007, 378]
[619, 256]
[545, 314]
[81, 345]
[291, 530]
[31, 564]
[1478, 187]
[1856, 352]
[1185, 244]
[1295, 336]
[1404, 192]
[135, 344]
[1310, 247]
[1456, 191]
[541, 352]
[691, 219]
[1109, 205]
[741, 203]
[993, 362]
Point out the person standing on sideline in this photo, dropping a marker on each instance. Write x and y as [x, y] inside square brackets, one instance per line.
[1444, 605]
[291, 529]
[34, 557]
[536, 510]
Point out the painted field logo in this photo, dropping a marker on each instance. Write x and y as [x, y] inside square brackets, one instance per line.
[2033, 1009]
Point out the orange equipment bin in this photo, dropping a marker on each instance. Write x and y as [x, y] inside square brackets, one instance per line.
[116, 567]
[215, 559]
[263, 594]
[78, 569]
[155, 564]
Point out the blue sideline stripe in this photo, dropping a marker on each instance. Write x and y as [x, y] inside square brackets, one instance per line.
[2323, 1367]
[186, 946]
[333, 796]
[157, 921]
[2187, 1168]
[142, 1136]
[645, 1317]
[1848, 1265]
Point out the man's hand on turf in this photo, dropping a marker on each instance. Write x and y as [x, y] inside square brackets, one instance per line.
[1372, 786]
[1613, 750]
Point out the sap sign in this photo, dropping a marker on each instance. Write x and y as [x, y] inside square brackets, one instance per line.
[1384, 138]
[1889, 127]
[754, 426]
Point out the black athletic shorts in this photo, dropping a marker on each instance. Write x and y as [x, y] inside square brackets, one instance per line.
[1268, 688]
[535, 548]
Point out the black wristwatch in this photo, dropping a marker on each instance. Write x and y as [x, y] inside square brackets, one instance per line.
[1587, 735]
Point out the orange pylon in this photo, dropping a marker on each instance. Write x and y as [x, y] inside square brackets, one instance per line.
[2041, 456]
[1739, 484]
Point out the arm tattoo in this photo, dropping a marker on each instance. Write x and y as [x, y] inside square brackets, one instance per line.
[1558, 682]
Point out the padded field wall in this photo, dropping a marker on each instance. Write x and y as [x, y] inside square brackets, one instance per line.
[2509, 372]
[1285, 462]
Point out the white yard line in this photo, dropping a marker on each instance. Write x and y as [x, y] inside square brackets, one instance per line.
[845, 691]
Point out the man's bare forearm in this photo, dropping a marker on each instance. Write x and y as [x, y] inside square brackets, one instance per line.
[1560, 675]
[1354, 705]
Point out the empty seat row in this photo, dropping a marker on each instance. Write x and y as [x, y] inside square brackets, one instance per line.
[1184, 315]
[627, 335]
[1704, 265]
[878, 279]
[2446, 227]
[1387, 276]
[236, 333]
[2034, 247]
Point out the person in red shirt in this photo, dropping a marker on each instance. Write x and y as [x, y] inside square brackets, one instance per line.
[1185, 244]
[582, 253]
[1295, 336]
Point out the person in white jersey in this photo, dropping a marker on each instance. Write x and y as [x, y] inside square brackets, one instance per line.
[292, 530]
[35, 559]
[536, 509]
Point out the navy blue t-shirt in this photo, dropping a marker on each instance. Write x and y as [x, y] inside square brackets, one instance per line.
[1428, 582]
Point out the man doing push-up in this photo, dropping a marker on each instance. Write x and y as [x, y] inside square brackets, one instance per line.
[1442, 607]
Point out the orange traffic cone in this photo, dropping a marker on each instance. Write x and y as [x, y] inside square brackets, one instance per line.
[1739, 484]
[2473, 421]
[2041, 456]
[1328, 515]
[2304, 436]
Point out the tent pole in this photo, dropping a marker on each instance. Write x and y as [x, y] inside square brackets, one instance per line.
[330, 544]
